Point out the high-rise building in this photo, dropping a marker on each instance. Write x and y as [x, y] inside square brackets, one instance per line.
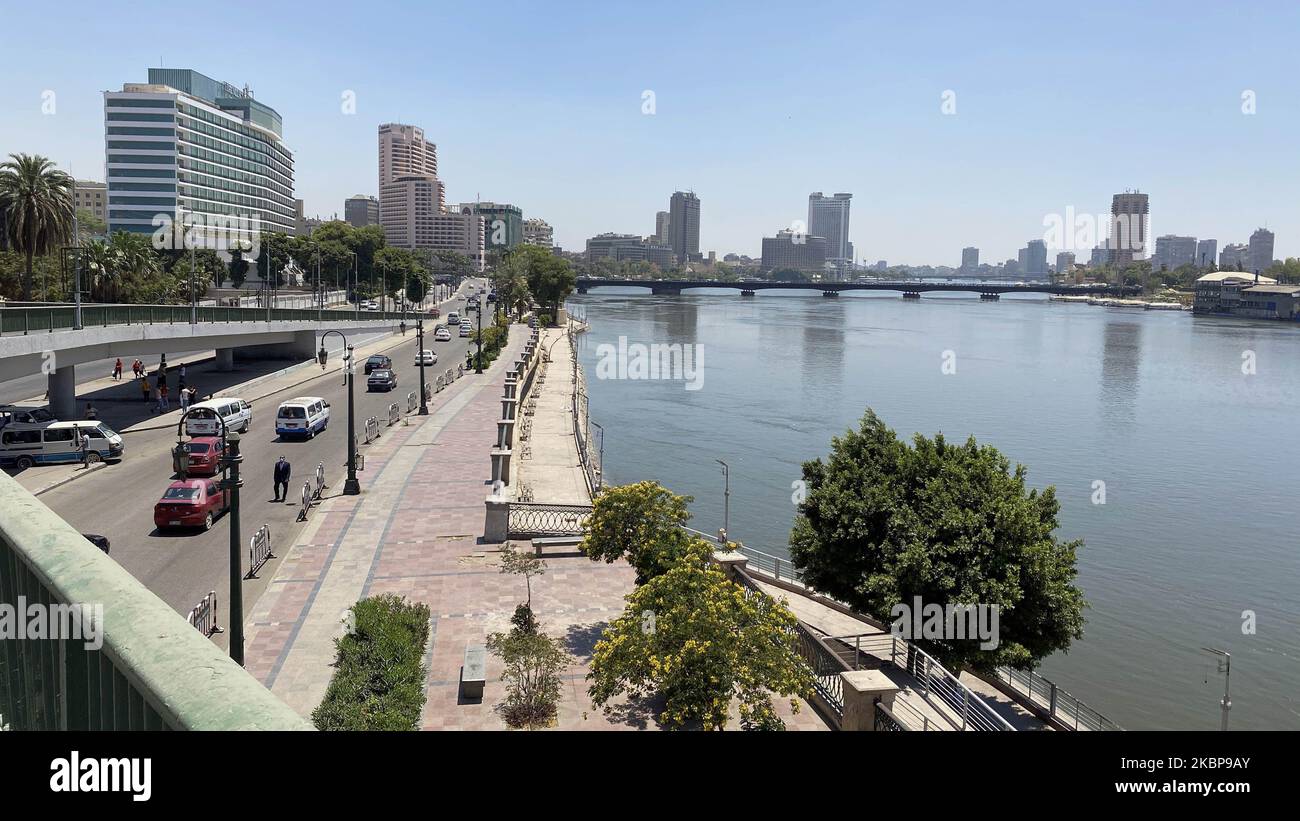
[1100, 255]
[1207, 251]
[802, 252]
[539, 232]
[1234, 257]
[1173, 252]
[504, 223]
[1130, 214]
[1261, 251]
[184, 144]
[684, 225]
[1034, 261]
[1064, 263]
[970, 260]
[829, 217]
[404, 152]
[92, 196]
[360, 210]
[661, 228]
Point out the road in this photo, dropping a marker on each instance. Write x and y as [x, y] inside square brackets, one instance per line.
[117, 500]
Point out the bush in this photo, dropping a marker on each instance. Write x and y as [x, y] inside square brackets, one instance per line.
[495, 337]
[534, 663]
[379, 674]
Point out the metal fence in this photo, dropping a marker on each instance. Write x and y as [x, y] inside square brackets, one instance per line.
[259, 550]
[529, 520]
[306, 502]
[411, 402]
[372, 429]
[1056, 702]
[394, 414]
[203, 616]
[34, 320]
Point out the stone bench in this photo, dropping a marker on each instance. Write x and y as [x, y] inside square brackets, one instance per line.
[473, 672]
[555, 541]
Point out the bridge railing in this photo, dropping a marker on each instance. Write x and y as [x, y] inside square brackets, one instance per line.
[48, 319]
[143, 667]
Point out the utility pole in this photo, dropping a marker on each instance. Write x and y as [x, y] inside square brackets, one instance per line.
[478, 364]
[1225, 667]
[419, 335]
[726, 501]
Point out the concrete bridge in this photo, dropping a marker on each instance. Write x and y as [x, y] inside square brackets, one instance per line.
[45, 341]
[910, 289]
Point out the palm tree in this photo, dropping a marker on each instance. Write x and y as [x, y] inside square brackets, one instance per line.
[37, 202]
[101, 264]
[134, 263]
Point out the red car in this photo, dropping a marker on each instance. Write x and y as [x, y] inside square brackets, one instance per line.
[205, 455]
[190, 503]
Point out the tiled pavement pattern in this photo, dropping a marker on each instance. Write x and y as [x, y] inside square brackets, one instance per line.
[553, 469]
[416, 532]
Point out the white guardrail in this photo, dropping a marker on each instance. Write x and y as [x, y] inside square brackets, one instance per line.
[394, 414]
[203, 616]
[259, 550]
[372, 429]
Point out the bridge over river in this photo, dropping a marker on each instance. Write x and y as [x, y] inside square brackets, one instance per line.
[910, 289]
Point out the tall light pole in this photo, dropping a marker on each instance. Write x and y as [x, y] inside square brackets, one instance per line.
[419, 336]
[600, 462]
[1225, 667]
[478, 362]
[351, 487]
[356, 284]
[726, 501]
[320, 293]
[76, 285]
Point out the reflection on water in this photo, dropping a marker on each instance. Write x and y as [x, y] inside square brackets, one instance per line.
[1120, 360]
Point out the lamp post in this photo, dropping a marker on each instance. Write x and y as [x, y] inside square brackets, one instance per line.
[230, 483]
[478, 363]
[419, 336]
[726, 502]
[351, 487]
[356, 285]
[600, 461]
[1225, 667]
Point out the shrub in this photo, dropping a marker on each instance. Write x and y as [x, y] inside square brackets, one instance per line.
[379, 673]
[533, 664]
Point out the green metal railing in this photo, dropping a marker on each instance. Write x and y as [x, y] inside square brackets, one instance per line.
[35, 320]
[152, 671]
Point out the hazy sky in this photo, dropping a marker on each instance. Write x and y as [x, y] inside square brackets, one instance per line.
[756, 105]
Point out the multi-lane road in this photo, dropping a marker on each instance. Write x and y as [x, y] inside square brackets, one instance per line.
[117, 500]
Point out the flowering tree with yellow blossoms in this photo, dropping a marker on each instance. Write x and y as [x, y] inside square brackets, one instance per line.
[698, 641]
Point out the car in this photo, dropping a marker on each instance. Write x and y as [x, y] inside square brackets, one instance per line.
[492, 297]
[465, 331]
[452, 318]
[97, 540]
[303, 416]
[191, 503]
[204, 456]
[211, 417]
[472, 302]
[377, 362]
[426, 358]
[441, 334]
[381, 380]
[434, 313]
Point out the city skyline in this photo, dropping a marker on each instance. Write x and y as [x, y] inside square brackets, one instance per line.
[927, 185]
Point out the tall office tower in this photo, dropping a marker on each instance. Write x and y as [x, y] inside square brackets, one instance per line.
[1233, 257]
[1206, 252]
[539, 232]
[1064, 263]
[184, 144]
[404, 152]
[504, 223]
[970, 260]
[360, 211]
[1130, 214]
[661, 227]
[1035, 259]
[1261, 251]
[829, 217]
[684, 225]
[1173, 252]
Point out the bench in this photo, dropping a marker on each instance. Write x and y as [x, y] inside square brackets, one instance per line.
[555, 541]
[473, 671]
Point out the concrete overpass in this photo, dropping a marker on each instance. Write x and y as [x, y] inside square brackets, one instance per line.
[910, 289]
[235, 334]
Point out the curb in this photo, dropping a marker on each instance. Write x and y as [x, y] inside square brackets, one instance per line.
[66, 479]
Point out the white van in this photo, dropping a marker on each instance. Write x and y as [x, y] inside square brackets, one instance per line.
[202, 418]
[302, 416]
[25, 445]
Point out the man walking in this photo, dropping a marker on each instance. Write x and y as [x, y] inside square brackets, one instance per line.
[163, 407]
[83, 445]
[117, 370]
[282, 471]
[144, 387]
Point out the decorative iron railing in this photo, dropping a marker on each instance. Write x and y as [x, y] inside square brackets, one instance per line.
[529, 520]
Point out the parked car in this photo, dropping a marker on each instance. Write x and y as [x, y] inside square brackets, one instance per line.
[303, 416]
[190, 503]
[378, 361]
[434, 313]
[426, 358]
[381, 380]
[205, 455]
[441, 334]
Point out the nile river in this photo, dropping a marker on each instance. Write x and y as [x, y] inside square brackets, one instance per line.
[1201, 461]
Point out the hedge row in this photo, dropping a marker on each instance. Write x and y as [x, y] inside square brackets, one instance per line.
[379, 674]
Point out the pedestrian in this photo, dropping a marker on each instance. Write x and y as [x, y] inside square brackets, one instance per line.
[144, 387]
[281, 477]
[403, 327]
[91, 413]
[117, 369]
[162, 398]
[182, 373]
[83, 445]
[184, 397]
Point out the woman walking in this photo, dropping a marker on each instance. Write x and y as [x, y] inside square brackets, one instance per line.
[117, 369]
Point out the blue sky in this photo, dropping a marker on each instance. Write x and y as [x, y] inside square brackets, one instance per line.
[756, 105]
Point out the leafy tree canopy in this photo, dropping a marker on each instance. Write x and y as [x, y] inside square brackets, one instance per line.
[641, 523]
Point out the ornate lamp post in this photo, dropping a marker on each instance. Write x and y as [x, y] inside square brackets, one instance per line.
[351, 487]
[419, 336]
[478, 362]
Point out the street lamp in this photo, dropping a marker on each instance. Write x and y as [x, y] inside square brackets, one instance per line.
[230, 461]
[1225, 667]
[478, 364]
[600, 462]
[356, 285]
[351, 487]
[76, 252]
[419, 336]
[726, 502]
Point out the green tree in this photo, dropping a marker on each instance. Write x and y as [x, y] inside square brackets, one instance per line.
[89, 226]
[883, 523]
[37, 202]
[522, 564]
[696, 639]
[238, 269]
[550, 278]
[640, 522]
[533, 664]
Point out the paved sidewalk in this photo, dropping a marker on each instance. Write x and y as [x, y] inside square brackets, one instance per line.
[549, 464]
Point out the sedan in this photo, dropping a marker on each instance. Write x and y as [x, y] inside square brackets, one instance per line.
[381, 380]
[205, 455]
[442, 334]
[377, 362]
[465, 330]
[190, 503]
[426, 358]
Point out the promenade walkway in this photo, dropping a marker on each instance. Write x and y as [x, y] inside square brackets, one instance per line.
[552, 468]
[416, 531]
